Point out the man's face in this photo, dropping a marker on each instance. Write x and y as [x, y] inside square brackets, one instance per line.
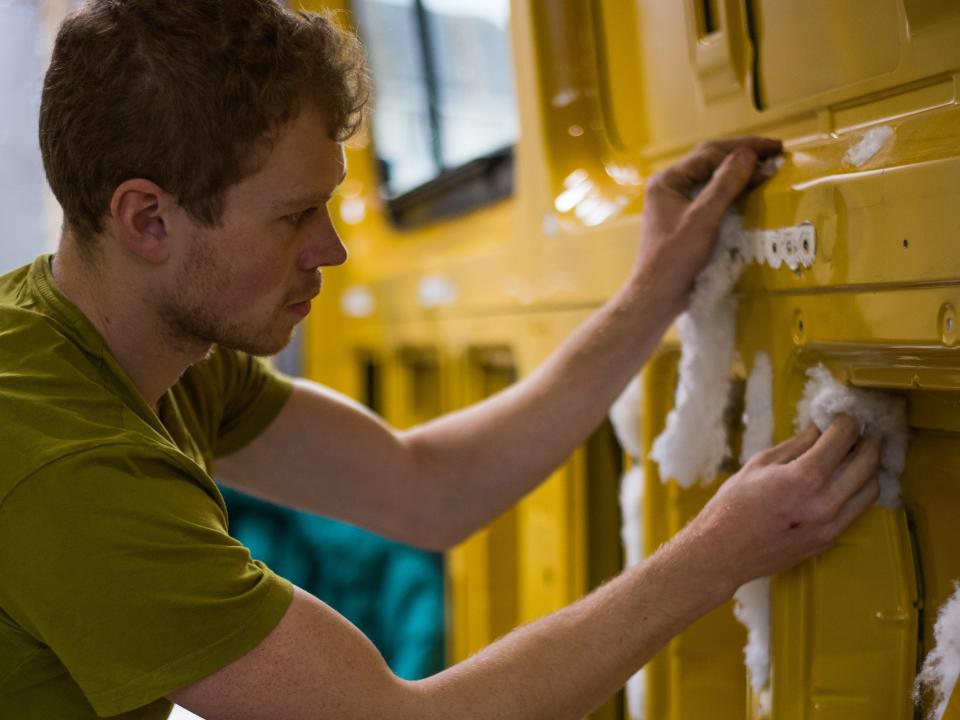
[247, 283]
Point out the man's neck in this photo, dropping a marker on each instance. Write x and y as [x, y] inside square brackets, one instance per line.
[129, 324]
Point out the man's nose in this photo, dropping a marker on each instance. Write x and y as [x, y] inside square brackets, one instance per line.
[323, 247]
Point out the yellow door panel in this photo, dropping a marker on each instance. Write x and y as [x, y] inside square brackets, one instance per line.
[551, 545]
[610, 92]
[852, 41]
[482, 571]
[483, 587]
[701, 672]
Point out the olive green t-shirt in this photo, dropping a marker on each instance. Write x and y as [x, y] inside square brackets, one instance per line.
[118, 580]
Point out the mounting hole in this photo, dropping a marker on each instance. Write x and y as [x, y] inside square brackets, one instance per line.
[806, 245]
[799, 330]
[906, 243]
[774, 247]
[948, 325]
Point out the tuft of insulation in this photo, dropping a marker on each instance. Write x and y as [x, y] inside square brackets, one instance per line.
[877, 413]
[758, 408]
[870, 144]
[625, 415]
[752, 609]
[941, 668]
[631, 532]
[752, 601]
[625, 418]
[694, 442]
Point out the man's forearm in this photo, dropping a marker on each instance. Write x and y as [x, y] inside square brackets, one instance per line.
[566, 664]
[482, 459]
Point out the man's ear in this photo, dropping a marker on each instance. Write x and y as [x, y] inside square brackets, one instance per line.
[137, 209]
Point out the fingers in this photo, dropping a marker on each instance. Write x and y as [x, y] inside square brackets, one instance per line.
[763, 147]
[699, 166]
[830, 449]
[694, 170]
[728, 181]
[856, 471]
[790, 450]
[862, 499]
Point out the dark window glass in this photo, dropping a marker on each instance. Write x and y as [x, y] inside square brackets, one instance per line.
[444, 86]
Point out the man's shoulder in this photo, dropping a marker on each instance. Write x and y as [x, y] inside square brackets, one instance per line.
[56, 404]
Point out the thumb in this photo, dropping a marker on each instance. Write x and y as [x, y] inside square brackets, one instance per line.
[730, 179]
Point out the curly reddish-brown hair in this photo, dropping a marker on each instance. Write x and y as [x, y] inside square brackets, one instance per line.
[186, 94]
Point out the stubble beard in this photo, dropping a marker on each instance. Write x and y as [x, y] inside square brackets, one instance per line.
[191, 322]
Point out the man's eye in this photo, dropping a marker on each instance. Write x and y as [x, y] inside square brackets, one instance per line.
[298, 218]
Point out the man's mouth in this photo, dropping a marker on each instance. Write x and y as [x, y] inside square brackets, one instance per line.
[302, 307]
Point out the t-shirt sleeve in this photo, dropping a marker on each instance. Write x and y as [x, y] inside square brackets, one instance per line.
[121, 564]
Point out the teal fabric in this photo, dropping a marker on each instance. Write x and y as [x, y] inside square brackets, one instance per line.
[392, 592]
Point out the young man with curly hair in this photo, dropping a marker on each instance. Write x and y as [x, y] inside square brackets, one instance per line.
[194, 147]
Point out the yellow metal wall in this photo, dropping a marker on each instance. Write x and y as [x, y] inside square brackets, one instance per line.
[610, 92]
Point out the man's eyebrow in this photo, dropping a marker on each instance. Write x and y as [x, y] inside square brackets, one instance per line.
[309, 199]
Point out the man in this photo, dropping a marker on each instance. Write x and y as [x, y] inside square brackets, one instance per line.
[194, 147]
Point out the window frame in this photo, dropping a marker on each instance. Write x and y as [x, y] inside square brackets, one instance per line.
[453, 191]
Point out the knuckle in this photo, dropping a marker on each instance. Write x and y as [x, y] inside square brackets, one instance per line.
[847, 424]
[824, 537]
[821, 510]
[759, 460]
[806, 474]
[656, 184]
[816, 476]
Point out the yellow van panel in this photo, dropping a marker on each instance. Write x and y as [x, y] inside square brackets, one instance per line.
[852, 41]
[700, 673]
[610, 93]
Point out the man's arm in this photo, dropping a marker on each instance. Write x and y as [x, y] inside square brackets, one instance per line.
[434, 485]
[786, 504]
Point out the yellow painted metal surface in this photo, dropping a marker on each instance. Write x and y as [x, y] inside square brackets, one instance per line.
[609, 93]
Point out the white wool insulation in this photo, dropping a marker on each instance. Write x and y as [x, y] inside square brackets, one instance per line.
[694, 442]
[752, 609]
[625, 416]
[877, 413]
[870, 144]
[941, 669]
[758, 408]
[752, 601]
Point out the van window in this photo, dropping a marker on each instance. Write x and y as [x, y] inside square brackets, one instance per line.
[443, 84]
